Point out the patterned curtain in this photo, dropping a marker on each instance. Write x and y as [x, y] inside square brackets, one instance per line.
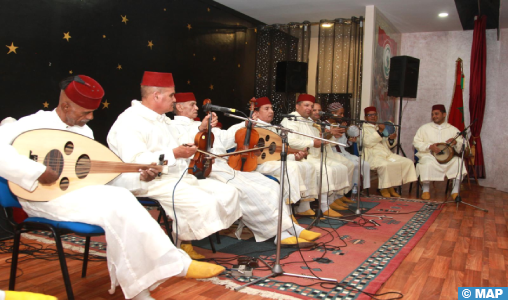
[275, 43]
[340, 51]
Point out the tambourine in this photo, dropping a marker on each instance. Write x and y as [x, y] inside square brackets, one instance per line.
[353, 131]
[389, 129]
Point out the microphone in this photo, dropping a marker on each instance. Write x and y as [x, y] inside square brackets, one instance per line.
[327, 114]
[289, 116]
[209, 107]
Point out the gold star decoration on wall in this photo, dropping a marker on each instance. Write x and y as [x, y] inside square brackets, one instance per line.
[188, 81]
[164, 9]
[106, 104]
[45, 104]
[193, 54]
[103, 36]
[211, 87]
[70, 72]
[12, 48]
[214, 58]
[239, 65]
[124, 19]
[119, 67]
[66, 36]
[150, 44]
[189, 26]
[208, 9]
[255, 30]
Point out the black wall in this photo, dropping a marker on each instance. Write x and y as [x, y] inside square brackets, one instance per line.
[100, 42]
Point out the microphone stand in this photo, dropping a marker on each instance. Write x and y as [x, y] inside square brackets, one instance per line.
[277, 267]
[458, 199]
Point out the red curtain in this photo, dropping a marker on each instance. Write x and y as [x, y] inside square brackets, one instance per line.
[456, 112]
[477, 86]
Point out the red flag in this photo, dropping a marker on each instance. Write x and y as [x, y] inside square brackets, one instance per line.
[456, 112]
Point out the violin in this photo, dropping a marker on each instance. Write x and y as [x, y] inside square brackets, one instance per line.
[201, 164]
[246, 138]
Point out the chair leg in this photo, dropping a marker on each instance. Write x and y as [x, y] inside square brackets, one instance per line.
[14, 263]
[211, 244]
[418, 188]
[85, 257]
[63, 265]
[447, 185]
[217, 237]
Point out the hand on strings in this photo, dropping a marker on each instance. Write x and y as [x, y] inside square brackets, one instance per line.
[434, 148]
[148, 174]
[184, 151]
[452, 142]
[381, 127]
[392, 136]
[337, 132]
[49, 176]
[204, 123]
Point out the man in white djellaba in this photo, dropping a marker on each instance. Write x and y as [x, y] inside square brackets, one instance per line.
[425, 141]
[340, 136]
[259, 195]
[142, 133]
[338, 171]
[393, 170]
[130, 231]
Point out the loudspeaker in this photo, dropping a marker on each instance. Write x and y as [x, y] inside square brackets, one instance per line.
[291, 77]
[403, 79]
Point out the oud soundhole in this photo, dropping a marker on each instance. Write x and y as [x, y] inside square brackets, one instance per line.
[69, 147]
[263, 156]
[267, 138]
[64, 183]
[83, 166]
[261, 143]
[272, 148]
[54, 160]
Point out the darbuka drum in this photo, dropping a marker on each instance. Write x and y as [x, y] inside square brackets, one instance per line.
[445, 154]
[389, 129]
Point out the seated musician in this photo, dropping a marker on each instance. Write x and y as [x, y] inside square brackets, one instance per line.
[339, 135]
[259, 195]
[131, 233]
[142, 133]
[338, 172]
[393, 170]
[426, 139]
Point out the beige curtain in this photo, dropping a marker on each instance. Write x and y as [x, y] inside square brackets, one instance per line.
[340, 62]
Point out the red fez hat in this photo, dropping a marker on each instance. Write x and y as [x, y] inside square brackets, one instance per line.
[157, 79]
[369, 109]
[185, 97]
[85, 92]
[197, 119]
[262, 101]
[306, 97]
[439, 107]
[219, 125]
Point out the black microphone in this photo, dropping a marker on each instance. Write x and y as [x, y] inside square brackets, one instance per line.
[289, 116]
[209, 107]
[327, 114]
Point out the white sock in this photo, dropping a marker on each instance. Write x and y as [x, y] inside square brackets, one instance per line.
[284, 235]
[296, 230]
[456, 186]
[143, 295]
[426, 186]
[324, 202]
[303, 206]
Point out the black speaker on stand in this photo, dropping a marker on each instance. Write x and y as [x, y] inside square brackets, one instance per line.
[291, 77]
[403, 82]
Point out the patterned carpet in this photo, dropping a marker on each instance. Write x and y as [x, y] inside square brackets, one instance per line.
[360, 255]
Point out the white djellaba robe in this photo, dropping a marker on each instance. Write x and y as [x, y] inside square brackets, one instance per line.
[300, 180]
[259, 195]
[428, 168]
[139, 253]
[392, 169]
[202, 207]
[354, 159]
[337, 171]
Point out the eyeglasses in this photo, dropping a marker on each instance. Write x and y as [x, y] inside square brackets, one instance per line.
[371, 115]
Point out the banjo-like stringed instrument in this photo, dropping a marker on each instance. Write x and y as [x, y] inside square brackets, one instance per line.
[78, 160]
